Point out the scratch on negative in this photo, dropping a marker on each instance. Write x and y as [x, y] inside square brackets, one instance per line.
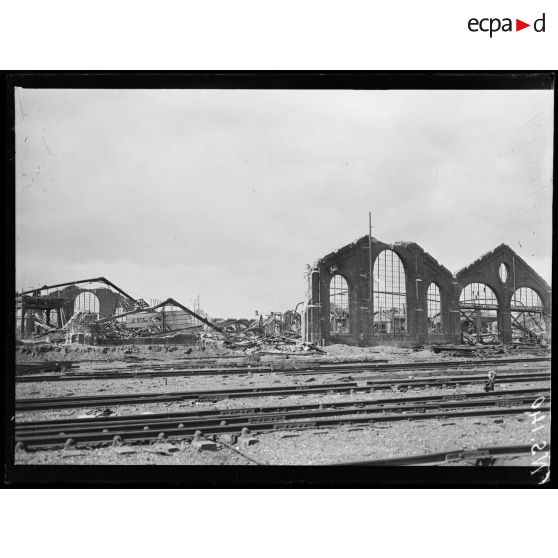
[50, 153]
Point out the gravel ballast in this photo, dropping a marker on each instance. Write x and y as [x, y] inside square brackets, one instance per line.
[304, 447]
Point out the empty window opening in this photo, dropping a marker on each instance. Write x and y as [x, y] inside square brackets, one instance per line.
[86, 302]
[339, 305]
[44, 321]
[390, 295]
[53, 318]
[478, 313]
[503, 273]
[434, 308]
[528, 324]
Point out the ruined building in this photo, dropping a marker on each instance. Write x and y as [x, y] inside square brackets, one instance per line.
[52, 307]
[96, 311]
[380, 294]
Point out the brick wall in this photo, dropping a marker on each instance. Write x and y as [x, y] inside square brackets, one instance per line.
[421, 269]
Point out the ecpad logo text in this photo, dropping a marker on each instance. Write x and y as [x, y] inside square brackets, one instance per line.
[493, 25]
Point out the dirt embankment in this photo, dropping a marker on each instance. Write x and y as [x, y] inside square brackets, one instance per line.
[48, 352]
[51, 352]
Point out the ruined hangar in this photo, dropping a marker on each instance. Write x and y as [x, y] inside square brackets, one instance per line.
[372, 293]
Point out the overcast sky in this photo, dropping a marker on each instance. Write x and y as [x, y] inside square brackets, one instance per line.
[228, 194]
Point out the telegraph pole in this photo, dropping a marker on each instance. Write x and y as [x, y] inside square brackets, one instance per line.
[370, 257]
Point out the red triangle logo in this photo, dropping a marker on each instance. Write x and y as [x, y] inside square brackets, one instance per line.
[519, 25]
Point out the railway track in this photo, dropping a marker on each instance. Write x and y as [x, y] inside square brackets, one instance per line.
[50, 403]
[154, 372]
[383, 362]
[55, 366]
[143, 428]
[529, 394]
[481, 456]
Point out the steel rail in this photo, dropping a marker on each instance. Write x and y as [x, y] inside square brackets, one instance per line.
[481, 455]
[184, 364]
[299, 406]
[235, 393]
[302, 411]
[382, 362]
[52, 366]
[338, 369]
[402, 371]
[188, 430]
[361, 374]
[196, 373]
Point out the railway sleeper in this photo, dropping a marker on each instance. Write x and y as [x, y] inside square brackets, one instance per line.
[503, 399]
[140, 436]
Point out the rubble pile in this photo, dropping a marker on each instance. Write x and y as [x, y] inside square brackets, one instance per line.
[487, 351]
[81, 328]
[261, 336]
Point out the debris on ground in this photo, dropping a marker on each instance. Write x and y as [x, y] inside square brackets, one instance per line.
[93, 413]
[489, 386]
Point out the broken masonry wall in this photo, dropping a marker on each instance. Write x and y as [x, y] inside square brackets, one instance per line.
[311, 329]
[353, 263]
[108, 299]
[520, 274]
[108, 302]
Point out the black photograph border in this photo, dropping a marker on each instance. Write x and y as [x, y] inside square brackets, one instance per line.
[233, 476]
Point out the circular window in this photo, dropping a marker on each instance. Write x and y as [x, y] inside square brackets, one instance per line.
[503, 273]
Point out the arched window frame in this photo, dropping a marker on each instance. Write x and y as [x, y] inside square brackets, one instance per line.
[339, 311]
[479, 303]
[527, 315]
[528, 295]
[91, 303]
[489, 300]
[434, 308]
[390, 294]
